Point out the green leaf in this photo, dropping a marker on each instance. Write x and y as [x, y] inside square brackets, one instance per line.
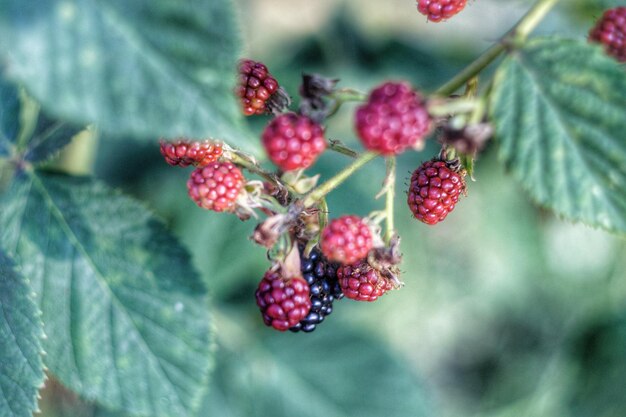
[601, 358]
[48, 138]
[559, 107]
[144, 68]
[21, 331]
[125, 312]
[9, 116]
[331, 372]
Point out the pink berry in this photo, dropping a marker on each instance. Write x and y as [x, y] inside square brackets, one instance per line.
[293, 141]
[346, 240]
[216, 186]
[393, 119]
[610, 31]
[438, 10]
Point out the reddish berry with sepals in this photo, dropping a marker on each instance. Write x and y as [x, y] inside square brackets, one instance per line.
[362, 282]
[434, 190]
[258, 90]
[183, 152]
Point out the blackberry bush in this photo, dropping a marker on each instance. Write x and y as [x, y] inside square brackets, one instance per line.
[101, 299]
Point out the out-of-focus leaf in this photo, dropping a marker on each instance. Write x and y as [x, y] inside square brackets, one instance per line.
[147, 68]
[601, 353]
[559, 108]
[333, 372]
[21, 331]
[125, 312]
[9, 116]
[48, 138]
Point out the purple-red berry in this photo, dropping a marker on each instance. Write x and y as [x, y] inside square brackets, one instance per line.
[256, 86]
[184, 152]
[610, 31]
[293, 141]
[438, 10]
[434, 191]
[393, 119]
[346, 240]
[216, 186]
[283, 302]
[362, 282]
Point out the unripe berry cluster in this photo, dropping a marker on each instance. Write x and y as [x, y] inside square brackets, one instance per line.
[316, 260]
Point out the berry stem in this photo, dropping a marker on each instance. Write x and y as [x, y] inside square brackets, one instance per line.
[390, 184]
[249, 164]
[344, 95]
[518, 33]
[320, 192]
[323, 213]
[339, 147]
[444, 107]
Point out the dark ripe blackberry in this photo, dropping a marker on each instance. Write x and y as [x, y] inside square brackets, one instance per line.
[324, 289]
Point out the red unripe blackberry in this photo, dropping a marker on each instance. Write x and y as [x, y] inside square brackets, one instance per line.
[346, 240]
[293, 141]
[283, 302]
[438, 10]
[185, 152]
[256, 87]
[434, 190]
[361, 282]
[216, 186]
[610, 31]
[393, 119]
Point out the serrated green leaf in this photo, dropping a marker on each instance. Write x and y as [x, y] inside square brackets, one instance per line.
[147, 68]
[9, 116]
[124, 311]
[331, 372]
[559, 107]
[21, 331]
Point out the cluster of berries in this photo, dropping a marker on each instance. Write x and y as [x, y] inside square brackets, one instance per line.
[321, 261]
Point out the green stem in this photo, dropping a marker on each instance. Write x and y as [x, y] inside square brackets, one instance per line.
[348, 94]
[518, 33]
[253, 167]
[339, 147]
[342, 96]
[323, 214]
[318, 193]
[390, 183]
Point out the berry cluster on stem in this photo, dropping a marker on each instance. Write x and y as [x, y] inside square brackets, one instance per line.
[317, 260]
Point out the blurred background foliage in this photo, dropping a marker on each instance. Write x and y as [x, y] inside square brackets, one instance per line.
[507, 310]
